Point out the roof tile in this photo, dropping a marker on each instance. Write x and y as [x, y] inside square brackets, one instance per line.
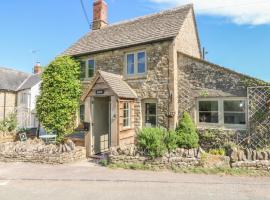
[164, 25]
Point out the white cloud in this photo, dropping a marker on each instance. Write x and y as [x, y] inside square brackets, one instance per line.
[254, 12]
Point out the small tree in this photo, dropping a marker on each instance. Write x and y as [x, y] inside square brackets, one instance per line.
[60, 92]
[187, 133]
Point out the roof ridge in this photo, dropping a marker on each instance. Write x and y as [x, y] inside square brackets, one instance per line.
[162, 12]
[14, 70]
[222, 67]
[25, 80]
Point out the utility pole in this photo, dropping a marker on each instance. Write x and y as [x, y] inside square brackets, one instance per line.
[204, 53]
[34, 56]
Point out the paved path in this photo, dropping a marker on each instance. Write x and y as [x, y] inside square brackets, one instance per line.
[85, 180]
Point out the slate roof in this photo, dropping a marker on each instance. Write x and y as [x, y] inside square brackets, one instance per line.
[155, 27]
[30, 82]
[116, 83]
[14, 80]
[11, 79]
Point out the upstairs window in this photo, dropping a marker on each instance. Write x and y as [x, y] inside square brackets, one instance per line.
[141, 62]
[83, 69]
[136, 63]
[87, 69]
[91, 68]
[130, 64]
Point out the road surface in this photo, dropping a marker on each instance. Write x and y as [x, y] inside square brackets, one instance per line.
[85, 180]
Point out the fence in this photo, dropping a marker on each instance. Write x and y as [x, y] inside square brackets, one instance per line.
[258, 117]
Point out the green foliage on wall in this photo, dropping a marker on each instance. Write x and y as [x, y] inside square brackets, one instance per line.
[60, 92]
[253, 82]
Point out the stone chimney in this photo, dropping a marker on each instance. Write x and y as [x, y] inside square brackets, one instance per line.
[37, 68]
[100, 14]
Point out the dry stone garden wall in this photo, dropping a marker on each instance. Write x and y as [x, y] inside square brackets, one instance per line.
[179, 158]
[7, 137]
[36, 151]
[249, 158]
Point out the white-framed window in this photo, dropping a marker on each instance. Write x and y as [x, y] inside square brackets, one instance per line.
[234, 112]
[222, 112]
[135, 63]
[127, 115]
[87, 68]
[149, 112]
[24, 98]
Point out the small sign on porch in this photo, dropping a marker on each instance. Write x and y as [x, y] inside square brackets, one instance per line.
[99, 91]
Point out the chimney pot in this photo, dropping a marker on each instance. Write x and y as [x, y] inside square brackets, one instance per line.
[37, 68]
[100, 14]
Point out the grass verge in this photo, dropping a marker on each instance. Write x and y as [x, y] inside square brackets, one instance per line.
[197, 170]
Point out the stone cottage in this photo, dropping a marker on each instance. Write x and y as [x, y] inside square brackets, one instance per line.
[146, 72]
[18, 92]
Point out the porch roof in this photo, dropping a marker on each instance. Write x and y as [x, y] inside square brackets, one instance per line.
[119, 87]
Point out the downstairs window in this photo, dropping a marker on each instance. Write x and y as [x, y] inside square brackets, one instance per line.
[222, 112]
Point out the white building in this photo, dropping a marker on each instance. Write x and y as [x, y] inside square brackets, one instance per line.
[18, 93]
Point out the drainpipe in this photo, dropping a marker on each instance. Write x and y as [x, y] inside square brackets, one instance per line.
[169, 98]
[5, 96]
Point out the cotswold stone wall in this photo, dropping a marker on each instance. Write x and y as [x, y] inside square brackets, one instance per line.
[7, 137]
[249, 158]
[36, 151]
[152, 85]
[218, 138]
[197, 78]
[178, 158]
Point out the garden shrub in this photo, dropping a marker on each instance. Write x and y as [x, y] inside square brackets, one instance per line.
[187, 133]
[9, 124]
[151, 141]
[59, 99]
[220, 152]
[170, 140]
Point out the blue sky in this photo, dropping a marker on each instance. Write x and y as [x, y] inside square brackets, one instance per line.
[237, 42]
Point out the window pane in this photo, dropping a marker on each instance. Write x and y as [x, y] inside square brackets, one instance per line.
[141, 62]
[150, 108]
[208, 117]
[82, 112]
[83, 72]
[151, 120]
[208, 106]
[150, 114]
[130, 64]
[238, 106]
[126, 115]
[91, 68]
[235, 118]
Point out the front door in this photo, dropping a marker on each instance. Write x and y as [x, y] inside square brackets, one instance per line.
[101, 124]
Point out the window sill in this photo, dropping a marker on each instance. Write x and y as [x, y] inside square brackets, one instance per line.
[222, 127]
[86, 79]
[135, 77]
[127, 128]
